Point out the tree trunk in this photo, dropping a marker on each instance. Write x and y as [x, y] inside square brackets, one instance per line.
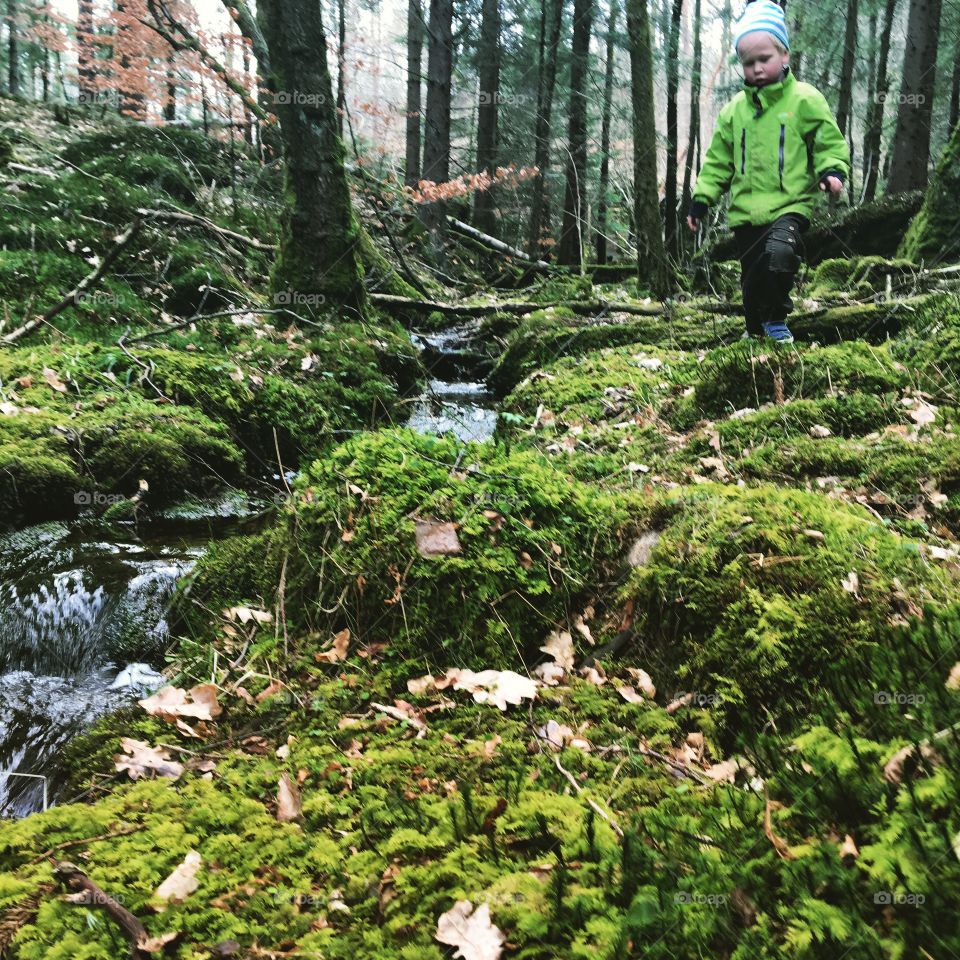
[575, 195]
[341, 63]
[318, 265]
[673, 83]
[955, 88]
[551, 18]
[846, 70]
[489, 70]
[693, 141]
[170, 107]
[13, 50]
[652, 266]
[911, 142]
[874, 132]
[605, 137]
[796, 59]
[414, 85]
[86, 52]
[436, 147]
[726, 42]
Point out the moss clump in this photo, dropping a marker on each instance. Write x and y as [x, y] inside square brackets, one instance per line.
[768, 599]
[932, 235]
[533, 544]
[857, 276]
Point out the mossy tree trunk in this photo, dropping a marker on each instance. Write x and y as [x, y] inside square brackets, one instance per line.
[436, 146]
[415, 28]
[934, 234]
[653, 270]
[673, 86]
[319, 259]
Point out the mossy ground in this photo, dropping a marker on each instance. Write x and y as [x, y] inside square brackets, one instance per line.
[769, 534]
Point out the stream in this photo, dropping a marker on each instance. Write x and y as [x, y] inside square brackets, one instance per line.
[83, 604]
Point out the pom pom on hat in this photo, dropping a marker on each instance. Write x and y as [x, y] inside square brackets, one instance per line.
[762, 15]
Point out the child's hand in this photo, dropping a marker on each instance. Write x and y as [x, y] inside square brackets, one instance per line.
[694, 225]
[833, 184]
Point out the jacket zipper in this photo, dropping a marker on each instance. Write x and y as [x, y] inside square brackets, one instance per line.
[783, 133]
[743, 149]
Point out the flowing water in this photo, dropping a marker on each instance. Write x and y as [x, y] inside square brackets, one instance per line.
[83, 629]
[457, 401]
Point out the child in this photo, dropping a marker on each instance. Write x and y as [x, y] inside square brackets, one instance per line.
[775, 142]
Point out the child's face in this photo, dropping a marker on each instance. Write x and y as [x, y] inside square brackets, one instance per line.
[762, 62]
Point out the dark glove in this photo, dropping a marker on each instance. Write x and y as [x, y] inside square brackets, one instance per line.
[698, 210]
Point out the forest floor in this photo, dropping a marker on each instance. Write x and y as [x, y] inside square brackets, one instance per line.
[666, 668]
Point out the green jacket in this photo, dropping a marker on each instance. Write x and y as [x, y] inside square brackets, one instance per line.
[771, 146]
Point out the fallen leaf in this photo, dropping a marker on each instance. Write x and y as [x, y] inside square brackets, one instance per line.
[723, 772]
[421, 685]
[470, 931]
[338, 650]
[9, 409]
[555, 734]
[288, 800]
[923, 414]
[680, 702]
[549, 673]
[199, 702]
[246, 614]
[404, 711]
[643, 681]
[181, 883]
[52, 379]
[560, 646]
[953, 680]
[851, 583]
[849, 848]
[629, 694]
[437, 538]
[779, 844]
[819, 431]
[139, 758]
[501, 687]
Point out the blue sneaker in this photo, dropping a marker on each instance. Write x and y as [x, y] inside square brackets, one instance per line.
[779, 331]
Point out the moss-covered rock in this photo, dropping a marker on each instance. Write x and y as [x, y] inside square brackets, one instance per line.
[857, 277]
[768, 599]
[531, 544]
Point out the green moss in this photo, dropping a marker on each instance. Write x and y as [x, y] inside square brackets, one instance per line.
[856, 276]
[738, 602]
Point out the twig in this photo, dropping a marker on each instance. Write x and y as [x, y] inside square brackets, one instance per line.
[193, 219]
[133, 828]
[596, 807]
[82, 287]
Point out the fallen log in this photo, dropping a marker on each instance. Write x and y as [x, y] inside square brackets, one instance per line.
[497, 245]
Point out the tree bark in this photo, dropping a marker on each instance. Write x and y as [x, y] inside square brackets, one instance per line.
[652, 268]
[318, 264]
[551, 18]
[484, 214]
[86, 52]
[436, 148]
[874, 132]
[955, 88]
[605, 137]
[341, 63]
[414, 85]
[911, 142]
[693, 141]
[575, 195]
[13, 50]
[673, 83]
[846, 70]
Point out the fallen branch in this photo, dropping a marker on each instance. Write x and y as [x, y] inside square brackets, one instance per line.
[81, 288]
[195, 220]
[84, 891]
[593, 804]
[497, 245]
[207, 316]
[133, 828]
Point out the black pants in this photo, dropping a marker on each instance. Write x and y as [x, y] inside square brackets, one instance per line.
[770, 256]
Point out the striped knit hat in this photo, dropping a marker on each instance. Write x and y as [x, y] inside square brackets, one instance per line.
[762, 15]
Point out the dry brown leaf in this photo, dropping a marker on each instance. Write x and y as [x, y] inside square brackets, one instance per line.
[437, 538]
[338, 651]
[470, 931]
[288, 800]
[170, 703]
[52, 379]
[246, 614]
[139, 758]
[404, 711]
[181, 883]
[779, 844]
[643, 681]
[560, 646]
